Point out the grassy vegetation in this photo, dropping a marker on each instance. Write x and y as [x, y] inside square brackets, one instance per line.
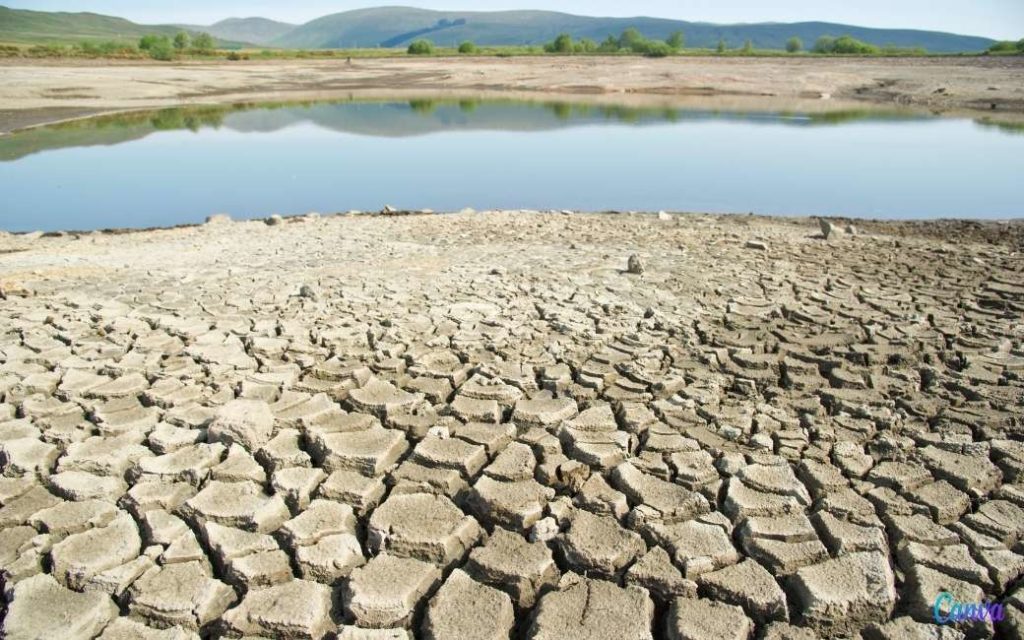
[1008, 47]
[183, 46]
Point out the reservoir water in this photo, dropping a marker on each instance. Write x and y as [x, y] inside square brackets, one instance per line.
[178, 166]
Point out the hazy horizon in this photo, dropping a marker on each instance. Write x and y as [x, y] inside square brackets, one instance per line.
[999, 19]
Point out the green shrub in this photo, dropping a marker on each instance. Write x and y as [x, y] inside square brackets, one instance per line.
[721, 46]
[162, 49]
[631, 39]
[181, 41]
[146, 42]
[748, 47]
[794, 45]
[586, 45]
[844, 45]
[849, 45]
[676, 41]
[203, 43]
[235, 56]
[610, 45]
[655, 49]
[467, 48]
[824, 44]
[561, 44]
[1005, 47]
[421, 48]
[1020, 45]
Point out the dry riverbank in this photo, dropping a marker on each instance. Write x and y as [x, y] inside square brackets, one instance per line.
[566, 426]
[33, 92]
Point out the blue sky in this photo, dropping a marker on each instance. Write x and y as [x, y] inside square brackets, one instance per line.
[993, 18]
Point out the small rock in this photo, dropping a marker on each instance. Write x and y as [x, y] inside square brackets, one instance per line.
[635, 265]
[757, 245]
[544, 531]
[826, 227]
[274, 220]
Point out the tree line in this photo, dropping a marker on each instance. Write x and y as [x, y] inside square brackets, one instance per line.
[165, 48]
[633, 41]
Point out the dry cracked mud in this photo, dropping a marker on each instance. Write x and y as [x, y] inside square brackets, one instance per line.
[512, 424]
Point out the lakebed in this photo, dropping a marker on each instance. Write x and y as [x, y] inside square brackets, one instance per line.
[529, 421]
[41, 91]
[530, 424]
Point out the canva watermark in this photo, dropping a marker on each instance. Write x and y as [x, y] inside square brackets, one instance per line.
[948, 610]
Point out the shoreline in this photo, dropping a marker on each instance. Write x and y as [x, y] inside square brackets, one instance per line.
[47, 91]
[930, 226]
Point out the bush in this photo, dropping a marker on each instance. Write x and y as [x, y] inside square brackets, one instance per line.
[1007, 46]
[561, 44]
[655, 49]
[748, 47]
[181, 41]
[203, 43]
[610, 45]
[824, 44]
[721, 46]
[844, 45]
[794, 45]
[467, 48]
[146, 42]
[676, 41]
[162, 49]
[235, 56]
[586, 45]
[421, 48]
[631, 39]
[848, 45]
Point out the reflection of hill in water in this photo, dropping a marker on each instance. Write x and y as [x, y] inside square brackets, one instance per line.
[389, 119]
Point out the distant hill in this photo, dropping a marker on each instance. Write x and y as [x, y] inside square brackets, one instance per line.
[397, 26]
[31, 27]
[255, 30]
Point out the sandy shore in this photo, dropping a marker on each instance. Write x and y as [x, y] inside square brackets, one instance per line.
[565, 425]
[41, 91]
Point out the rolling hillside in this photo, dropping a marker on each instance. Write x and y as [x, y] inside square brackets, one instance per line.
[31, 27]
[397, 26]
[254, 30]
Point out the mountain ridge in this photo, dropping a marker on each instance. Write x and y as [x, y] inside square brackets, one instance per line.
[396, 26]
[388, 26]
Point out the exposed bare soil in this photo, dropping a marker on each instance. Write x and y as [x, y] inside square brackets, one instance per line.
[34, 92]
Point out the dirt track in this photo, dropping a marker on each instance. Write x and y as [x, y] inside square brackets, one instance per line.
[33, 92]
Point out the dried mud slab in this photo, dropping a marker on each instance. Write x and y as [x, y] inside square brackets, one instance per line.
[512, 424]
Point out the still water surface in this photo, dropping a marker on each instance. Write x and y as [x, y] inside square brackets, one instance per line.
[178, 166]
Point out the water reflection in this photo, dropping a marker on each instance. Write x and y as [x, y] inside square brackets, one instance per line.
[175, 166]
[421, 116]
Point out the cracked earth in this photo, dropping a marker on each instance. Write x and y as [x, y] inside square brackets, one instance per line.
[512, 424]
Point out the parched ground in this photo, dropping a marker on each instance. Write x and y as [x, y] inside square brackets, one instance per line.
[525, 424]
[33, 92]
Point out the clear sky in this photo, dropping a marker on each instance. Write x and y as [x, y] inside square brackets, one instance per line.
[992, 18]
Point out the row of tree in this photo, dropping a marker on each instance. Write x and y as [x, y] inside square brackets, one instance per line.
[630, 40]
[1007, 46]
[164, 48]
